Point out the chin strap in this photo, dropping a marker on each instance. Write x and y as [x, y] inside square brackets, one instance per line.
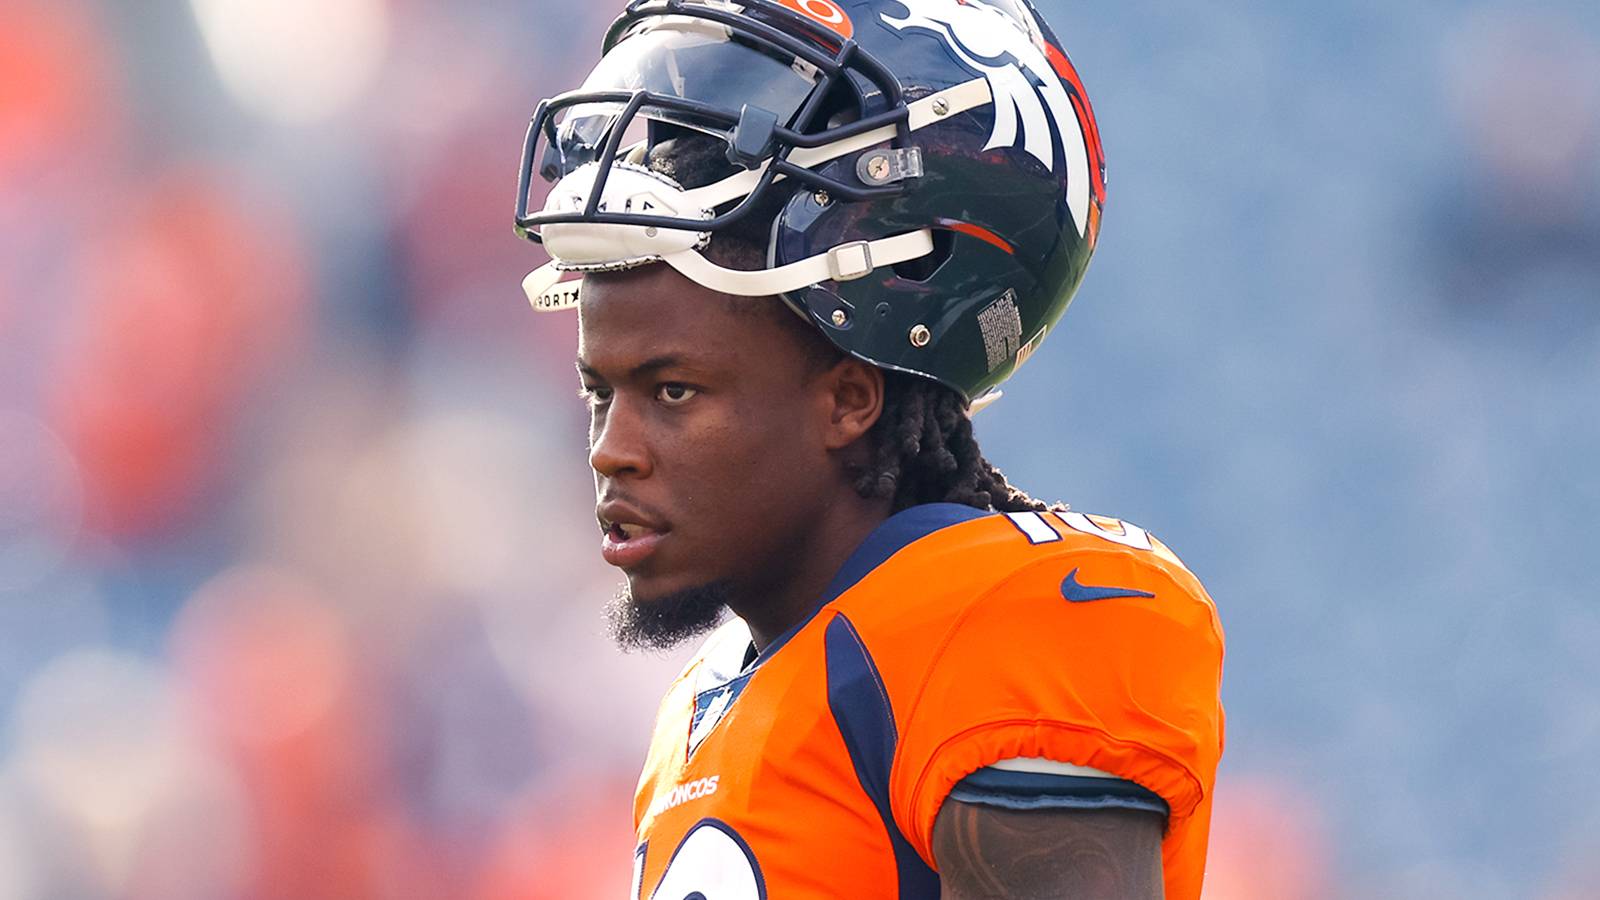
[846, 262]
[547, 292]
[920, 114]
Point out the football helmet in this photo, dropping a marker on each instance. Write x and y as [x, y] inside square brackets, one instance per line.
[935, 166]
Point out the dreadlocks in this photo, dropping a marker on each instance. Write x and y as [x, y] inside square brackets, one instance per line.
[922, 446]
[924, 451]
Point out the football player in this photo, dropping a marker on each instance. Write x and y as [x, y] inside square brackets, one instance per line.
[806, 240]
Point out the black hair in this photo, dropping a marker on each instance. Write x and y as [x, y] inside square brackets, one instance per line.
[922, 448]
[924, 451]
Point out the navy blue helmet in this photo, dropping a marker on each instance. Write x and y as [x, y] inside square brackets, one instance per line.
[927, 174]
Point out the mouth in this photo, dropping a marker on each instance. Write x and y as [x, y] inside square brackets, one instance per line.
[626, 540]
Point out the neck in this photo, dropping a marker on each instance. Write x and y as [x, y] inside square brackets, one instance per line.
[785, 599]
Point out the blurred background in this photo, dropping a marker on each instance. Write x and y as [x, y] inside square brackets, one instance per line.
[299, 592]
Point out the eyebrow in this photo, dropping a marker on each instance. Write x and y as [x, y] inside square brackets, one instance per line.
[653, 364]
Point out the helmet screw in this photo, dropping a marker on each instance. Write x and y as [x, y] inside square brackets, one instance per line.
[941, 106]
[650, 232]
[821, 198]
[878, 167]
[920, 336]
[840, 317]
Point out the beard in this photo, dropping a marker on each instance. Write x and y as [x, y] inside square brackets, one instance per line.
[665, 622]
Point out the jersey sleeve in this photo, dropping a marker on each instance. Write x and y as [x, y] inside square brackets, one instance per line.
[1008, 787]
[1123, 678]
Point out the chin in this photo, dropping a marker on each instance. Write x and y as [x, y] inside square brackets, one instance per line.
[665, 617]
[654, 587]
[659, 579]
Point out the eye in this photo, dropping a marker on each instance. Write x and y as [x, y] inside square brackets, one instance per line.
[674, 394]
[594, 395]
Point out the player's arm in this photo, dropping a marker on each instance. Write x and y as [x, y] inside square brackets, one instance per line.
[988, 852]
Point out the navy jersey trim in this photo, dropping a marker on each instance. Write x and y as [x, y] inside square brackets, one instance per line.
[703, 702]
[860, 706]
[894, 534]
[1042, 790]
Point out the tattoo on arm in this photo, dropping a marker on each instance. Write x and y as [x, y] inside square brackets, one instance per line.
[991, 853]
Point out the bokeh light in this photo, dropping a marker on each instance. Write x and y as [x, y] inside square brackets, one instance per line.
[295, 61]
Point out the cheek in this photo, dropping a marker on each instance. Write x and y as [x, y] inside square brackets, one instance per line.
[745, 476]
[771, 447]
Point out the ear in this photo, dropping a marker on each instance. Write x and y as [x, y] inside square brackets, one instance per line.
[853, 393]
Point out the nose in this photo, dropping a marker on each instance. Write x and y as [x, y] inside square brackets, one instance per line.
[617, 441]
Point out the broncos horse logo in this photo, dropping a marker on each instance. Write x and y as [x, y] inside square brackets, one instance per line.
[995, 42]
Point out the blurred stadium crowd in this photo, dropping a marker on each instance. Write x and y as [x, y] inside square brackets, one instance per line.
[299, 590]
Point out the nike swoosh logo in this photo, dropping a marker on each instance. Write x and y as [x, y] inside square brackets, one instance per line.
[1088, 593]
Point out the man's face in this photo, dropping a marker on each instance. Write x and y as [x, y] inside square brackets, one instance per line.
[705, 434]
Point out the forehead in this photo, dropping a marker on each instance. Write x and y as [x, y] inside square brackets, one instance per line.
[625, 317]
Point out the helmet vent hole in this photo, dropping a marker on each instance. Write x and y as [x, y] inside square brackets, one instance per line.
[924, 267]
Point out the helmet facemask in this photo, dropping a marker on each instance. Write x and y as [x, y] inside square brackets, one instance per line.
[673, 66]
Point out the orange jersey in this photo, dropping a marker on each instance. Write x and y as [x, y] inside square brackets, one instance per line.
[951, 640]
